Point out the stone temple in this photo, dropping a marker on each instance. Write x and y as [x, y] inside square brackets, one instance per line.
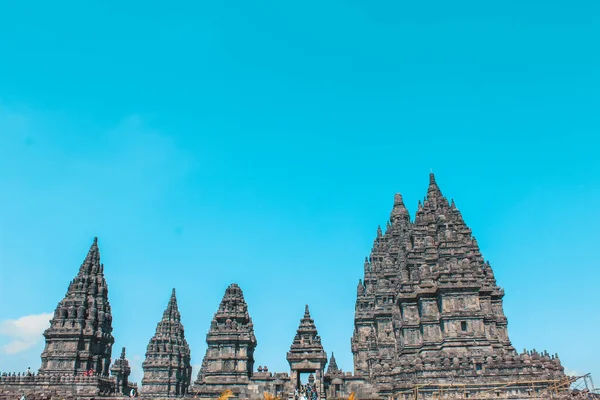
[429, 324]
[167, 369]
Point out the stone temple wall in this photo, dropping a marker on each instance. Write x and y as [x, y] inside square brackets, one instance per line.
[58, 387]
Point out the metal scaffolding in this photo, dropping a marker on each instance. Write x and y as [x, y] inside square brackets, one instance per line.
[575, 387]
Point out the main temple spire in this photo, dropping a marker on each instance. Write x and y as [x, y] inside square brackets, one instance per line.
[432, 305]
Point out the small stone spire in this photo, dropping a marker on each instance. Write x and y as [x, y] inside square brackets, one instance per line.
[399, 207]
[172, 311]
[121, 370]
[167, 369]
[434, 194]
[92, 259]
[332, 368]
[360, 289]
[307, 338]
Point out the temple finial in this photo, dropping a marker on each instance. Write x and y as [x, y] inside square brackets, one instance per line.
[398, 199]
[434, 195]
[172, 311]
[399, 209]
[306, 312]
[91, 263]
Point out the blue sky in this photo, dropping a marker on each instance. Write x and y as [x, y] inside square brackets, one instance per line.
[262, 143]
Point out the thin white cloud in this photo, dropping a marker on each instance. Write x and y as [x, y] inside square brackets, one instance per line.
[571, 372]
[195, 370]
[23, 333]
[137, 374]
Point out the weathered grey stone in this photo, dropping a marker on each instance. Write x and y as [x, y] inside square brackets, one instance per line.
[167, 369]
[76, 358]
[429, 310]
[121, 370]
[306, 354]
[79, 338]
[229, 358]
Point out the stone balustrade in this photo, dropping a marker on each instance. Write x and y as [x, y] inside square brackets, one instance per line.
[13, 385]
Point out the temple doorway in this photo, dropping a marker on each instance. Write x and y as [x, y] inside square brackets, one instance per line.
[306, 377]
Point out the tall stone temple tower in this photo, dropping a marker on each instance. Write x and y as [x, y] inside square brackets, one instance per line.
[229, 359]
[306, 353]
[167, 369]
[429, 306]
[80, 338]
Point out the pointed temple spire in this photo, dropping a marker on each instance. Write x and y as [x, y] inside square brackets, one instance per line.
[399, 207]
[435, 198]
[306, 349]
[231, 344]
[332, 368]
[82, 321]
[92, 259]
[307, 336]
[121, 370]
[167, 369]
[172, 311]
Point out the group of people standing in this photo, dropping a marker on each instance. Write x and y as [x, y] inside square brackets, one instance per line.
[306, 392]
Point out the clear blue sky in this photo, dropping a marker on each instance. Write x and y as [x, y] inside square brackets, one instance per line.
[262, 143]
